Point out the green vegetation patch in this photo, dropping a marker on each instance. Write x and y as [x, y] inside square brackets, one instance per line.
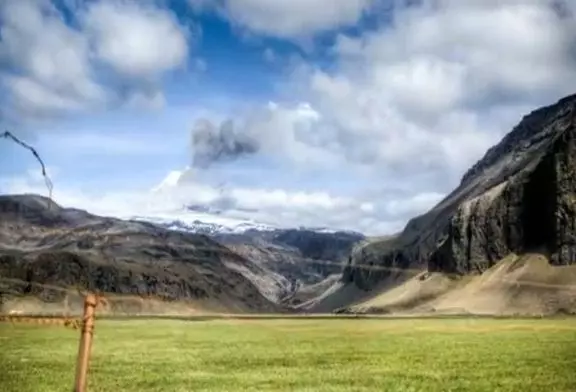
[297, 355]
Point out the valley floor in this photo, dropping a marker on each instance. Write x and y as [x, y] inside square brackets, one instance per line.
[332, 354]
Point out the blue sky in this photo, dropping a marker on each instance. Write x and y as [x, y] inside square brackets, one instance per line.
[351, 115]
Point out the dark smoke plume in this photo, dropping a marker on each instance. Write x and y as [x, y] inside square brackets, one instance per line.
[212, 144]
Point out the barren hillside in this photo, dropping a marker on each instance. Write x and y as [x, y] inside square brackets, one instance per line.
[43, 244]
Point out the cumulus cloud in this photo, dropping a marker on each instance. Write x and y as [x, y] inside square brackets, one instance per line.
[136, 40]
[288, 19]
[45, 63]
[418, 100]
[429, 91]
[49, 67]
[444, 81]
[295, 18]
[411, 103]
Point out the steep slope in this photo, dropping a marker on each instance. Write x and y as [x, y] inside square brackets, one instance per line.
[291, 260]
[42, 243]
[519, 198]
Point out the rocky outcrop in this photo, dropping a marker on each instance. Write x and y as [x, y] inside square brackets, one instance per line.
[520, 197]
[44, 247]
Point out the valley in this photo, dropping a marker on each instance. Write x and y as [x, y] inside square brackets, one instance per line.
[501, 243]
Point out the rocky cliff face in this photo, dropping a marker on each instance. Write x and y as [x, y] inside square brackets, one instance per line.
[288, 261]
[44, 245]
[520, 197]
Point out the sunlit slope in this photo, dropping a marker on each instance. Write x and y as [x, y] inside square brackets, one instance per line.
[525, 284]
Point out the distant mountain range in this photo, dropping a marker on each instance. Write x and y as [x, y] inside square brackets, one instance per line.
[192, 224]
[222, 265]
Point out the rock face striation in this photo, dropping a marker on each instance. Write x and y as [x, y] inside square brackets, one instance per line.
[520, 197]
[43, 245]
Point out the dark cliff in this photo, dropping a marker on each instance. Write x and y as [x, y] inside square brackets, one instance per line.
[520, 197]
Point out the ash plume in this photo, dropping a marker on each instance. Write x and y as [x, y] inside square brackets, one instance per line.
[219, 143]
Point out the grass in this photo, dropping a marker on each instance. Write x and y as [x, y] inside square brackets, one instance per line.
[298, 355]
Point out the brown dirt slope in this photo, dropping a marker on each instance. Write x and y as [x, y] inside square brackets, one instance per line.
[517, 285]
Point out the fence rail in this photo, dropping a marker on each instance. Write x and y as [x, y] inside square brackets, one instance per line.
[86, 325]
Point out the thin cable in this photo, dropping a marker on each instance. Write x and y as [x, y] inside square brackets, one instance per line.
[48, 182]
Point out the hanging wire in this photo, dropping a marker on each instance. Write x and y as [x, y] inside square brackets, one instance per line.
[48, 182]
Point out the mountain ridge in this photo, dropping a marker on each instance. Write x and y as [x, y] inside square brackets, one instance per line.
[43, 244]
[520, 197]
[35, 232]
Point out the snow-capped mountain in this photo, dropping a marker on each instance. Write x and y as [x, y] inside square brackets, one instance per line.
[211, 224]
[282, 259]
[204, 223]
[210, 221]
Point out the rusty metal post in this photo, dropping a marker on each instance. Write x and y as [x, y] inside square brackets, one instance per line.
[90, 302]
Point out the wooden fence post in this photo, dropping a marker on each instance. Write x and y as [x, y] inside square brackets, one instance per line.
[90, 302]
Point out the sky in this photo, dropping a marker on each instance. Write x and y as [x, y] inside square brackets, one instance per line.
[353, 115]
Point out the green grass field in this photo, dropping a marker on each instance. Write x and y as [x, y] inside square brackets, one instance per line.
[297, 355]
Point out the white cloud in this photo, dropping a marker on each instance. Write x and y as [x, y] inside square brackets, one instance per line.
[432, 91]
[519, 46]
[412, 103]
[136, 40]
[35, 98]
[49, 67]
[415, 102]
[370, 214]
[286, 131]
[51, 60]
[290, 131]
[278, 207]
[291, 18]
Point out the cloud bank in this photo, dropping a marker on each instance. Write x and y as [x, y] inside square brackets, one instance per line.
[113, 54]
[419, 99]
[394, 101]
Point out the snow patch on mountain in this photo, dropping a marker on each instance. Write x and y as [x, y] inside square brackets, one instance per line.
[209, 224]
[203, 223]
